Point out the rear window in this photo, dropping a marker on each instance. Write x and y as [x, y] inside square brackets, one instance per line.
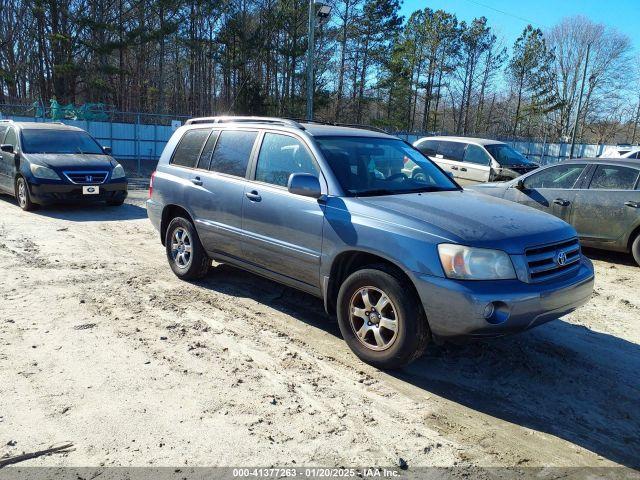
[188, 150]
[232, 152]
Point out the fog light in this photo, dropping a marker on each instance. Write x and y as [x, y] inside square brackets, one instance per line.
[489, 311]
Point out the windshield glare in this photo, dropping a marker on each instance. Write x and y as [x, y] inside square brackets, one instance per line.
[59, 141]
[505, 155]
[381, 166]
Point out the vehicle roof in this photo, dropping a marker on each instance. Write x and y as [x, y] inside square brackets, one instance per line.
[320, 130]
[475, 141]
[316, 129]
[623, 162]
[41, 125]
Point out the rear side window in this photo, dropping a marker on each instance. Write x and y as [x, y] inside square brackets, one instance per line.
[188, 150]
[207, 151]
[232, 152]
[560, 176]
[428, 147]
[452, 150]
[612, 177]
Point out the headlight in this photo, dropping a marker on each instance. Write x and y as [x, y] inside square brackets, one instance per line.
[466, 263]
[118, 171]
[40, 171]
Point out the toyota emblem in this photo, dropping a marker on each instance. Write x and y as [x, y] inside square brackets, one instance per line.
[561, 258]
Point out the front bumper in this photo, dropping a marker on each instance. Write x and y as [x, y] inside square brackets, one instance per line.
[62, 192]
[456, 308]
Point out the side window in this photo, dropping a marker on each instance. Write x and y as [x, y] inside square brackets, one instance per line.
[232, 152]
[205, 157]
[612, 177]
[3, 130]
[560, 176]
[429, 147]
[452, 150]
[11, 137]
[475, 154]
[188, 150]
[280, 156]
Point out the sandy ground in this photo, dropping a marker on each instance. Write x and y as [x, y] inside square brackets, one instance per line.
[101, 345]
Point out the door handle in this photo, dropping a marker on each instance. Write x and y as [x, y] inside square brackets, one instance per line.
[632, 204]
[253, 195]
[196, 181]
[453, 167]
[562, 202]
[462, 169]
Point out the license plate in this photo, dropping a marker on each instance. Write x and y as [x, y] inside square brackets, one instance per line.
[90, 190]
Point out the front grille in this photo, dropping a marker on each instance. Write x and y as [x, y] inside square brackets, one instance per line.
[549, 261]
[86, 178]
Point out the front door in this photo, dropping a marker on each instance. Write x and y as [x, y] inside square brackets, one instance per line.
[550, 190]
[476, 166]
[7, 160]
[283, 231]
[609, 208]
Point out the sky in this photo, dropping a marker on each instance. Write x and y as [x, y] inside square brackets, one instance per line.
[509, 17]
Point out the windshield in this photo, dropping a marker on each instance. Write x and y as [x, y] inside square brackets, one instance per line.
[59, 141]
[507, 156]
[381, 166]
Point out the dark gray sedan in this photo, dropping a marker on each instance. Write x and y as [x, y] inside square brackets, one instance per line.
[599, 197]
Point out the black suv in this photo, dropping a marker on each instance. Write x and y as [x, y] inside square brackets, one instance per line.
[43, 163]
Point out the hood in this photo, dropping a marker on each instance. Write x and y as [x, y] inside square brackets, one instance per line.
[72, 161]
[469, 218]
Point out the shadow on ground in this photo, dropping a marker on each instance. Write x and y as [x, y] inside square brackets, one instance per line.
[98, 212]
[619, 258]
[562, 379]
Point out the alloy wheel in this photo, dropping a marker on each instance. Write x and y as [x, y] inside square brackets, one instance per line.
[373, 318]
[181, 248]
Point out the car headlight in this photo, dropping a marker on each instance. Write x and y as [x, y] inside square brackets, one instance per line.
[40, 171]
[118, 171]
[467, 263]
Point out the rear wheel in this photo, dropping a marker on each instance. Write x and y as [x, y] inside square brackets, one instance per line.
[22, 194]
[381, 319]
[635, 249]
[185, 253]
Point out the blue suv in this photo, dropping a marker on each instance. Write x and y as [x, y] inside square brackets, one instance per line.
[329, 210]
[44, 163]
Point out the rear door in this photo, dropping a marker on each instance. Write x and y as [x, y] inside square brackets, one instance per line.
[608, 208]
[477, 164]
[449, 156]
[550, 189]
[283, 231]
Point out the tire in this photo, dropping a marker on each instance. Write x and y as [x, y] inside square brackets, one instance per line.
[185, 254]
[392, 349]
[23, 196]
[635, 249]
[115, 203]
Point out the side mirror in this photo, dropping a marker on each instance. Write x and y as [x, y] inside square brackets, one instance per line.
[520, 185]
[304, 184]
[107, 150]
[7, 148]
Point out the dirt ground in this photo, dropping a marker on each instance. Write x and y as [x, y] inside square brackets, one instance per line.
[102, 346]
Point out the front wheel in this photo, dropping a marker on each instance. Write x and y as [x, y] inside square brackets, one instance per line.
[185, 253]
[23, 196]
[635, 249]
[381, 319]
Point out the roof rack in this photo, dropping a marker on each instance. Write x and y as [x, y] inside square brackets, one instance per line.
[349, 125]
[233, 119]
